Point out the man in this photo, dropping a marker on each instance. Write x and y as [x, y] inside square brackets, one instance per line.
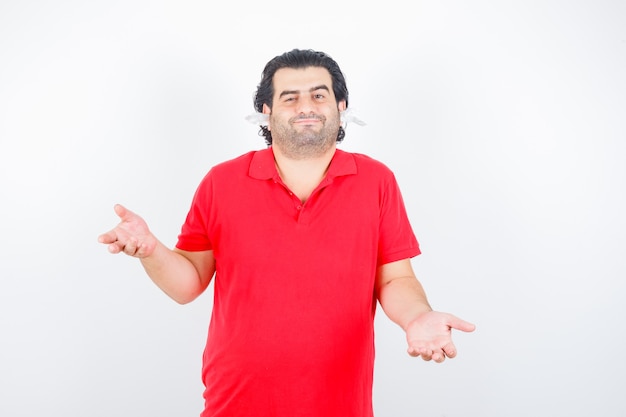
[304, 239]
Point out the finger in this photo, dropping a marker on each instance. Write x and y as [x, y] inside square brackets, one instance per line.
[108, 237]
[450, 350]
[439, 356]
[142, 250]
[413, 352]
[115, 247]
[458, 324]
[426, 354]
[418, 349]
[131, 247]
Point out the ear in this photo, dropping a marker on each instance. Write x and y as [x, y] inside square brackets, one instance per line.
[268, 111]
[341, 105]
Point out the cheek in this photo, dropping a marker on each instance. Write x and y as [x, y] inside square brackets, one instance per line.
[276, 120]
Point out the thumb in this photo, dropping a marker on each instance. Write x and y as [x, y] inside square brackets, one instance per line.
[123, 213]
[458, 324]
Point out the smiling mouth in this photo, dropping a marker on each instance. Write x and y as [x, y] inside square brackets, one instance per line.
[306, 121]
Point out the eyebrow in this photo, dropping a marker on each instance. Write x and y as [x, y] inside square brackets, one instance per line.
[319, 87]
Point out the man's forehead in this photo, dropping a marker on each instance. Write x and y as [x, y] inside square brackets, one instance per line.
[297, 79]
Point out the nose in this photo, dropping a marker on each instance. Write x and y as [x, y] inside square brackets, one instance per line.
[306, 105]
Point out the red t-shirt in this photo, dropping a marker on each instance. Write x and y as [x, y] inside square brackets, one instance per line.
[291, 331]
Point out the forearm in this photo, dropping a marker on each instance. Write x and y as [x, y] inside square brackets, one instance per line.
[403, 299]
[173, 273]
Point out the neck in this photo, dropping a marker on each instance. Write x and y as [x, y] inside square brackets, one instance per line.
[302, 176]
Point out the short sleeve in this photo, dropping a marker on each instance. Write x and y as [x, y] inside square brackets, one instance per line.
[194, 235]
[397, 240]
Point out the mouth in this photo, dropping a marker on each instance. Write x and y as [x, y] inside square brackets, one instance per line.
[306, 120]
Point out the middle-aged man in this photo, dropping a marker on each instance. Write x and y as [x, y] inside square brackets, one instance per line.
[303, 239]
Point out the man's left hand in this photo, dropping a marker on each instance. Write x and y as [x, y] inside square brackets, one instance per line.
[430, 335]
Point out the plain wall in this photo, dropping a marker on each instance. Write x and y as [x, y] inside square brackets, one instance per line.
[503, 121]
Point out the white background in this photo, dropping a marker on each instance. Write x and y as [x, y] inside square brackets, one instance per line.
[505, 123]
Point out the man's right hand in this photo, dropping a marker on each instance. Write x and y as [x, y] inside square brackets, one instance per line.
[130, 236]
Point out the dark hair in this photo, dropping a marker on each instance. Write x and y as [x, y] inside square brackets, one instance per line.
[298, 58]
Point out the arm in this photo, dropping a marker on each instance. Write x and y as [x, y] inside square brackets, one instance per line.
[404, 301]
[182, 275]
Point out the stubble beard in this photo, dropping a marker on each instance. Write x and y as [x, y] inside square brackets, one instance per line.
[306, 143]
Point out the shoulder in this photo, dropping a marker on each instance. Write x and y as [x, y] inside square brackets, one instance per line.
[368, 161]
[241, 166]
[368, 166]
[241, 162]
[227, 171]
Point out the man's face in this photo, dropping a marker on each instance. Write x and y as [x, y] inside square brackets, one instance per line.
[304, 118]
